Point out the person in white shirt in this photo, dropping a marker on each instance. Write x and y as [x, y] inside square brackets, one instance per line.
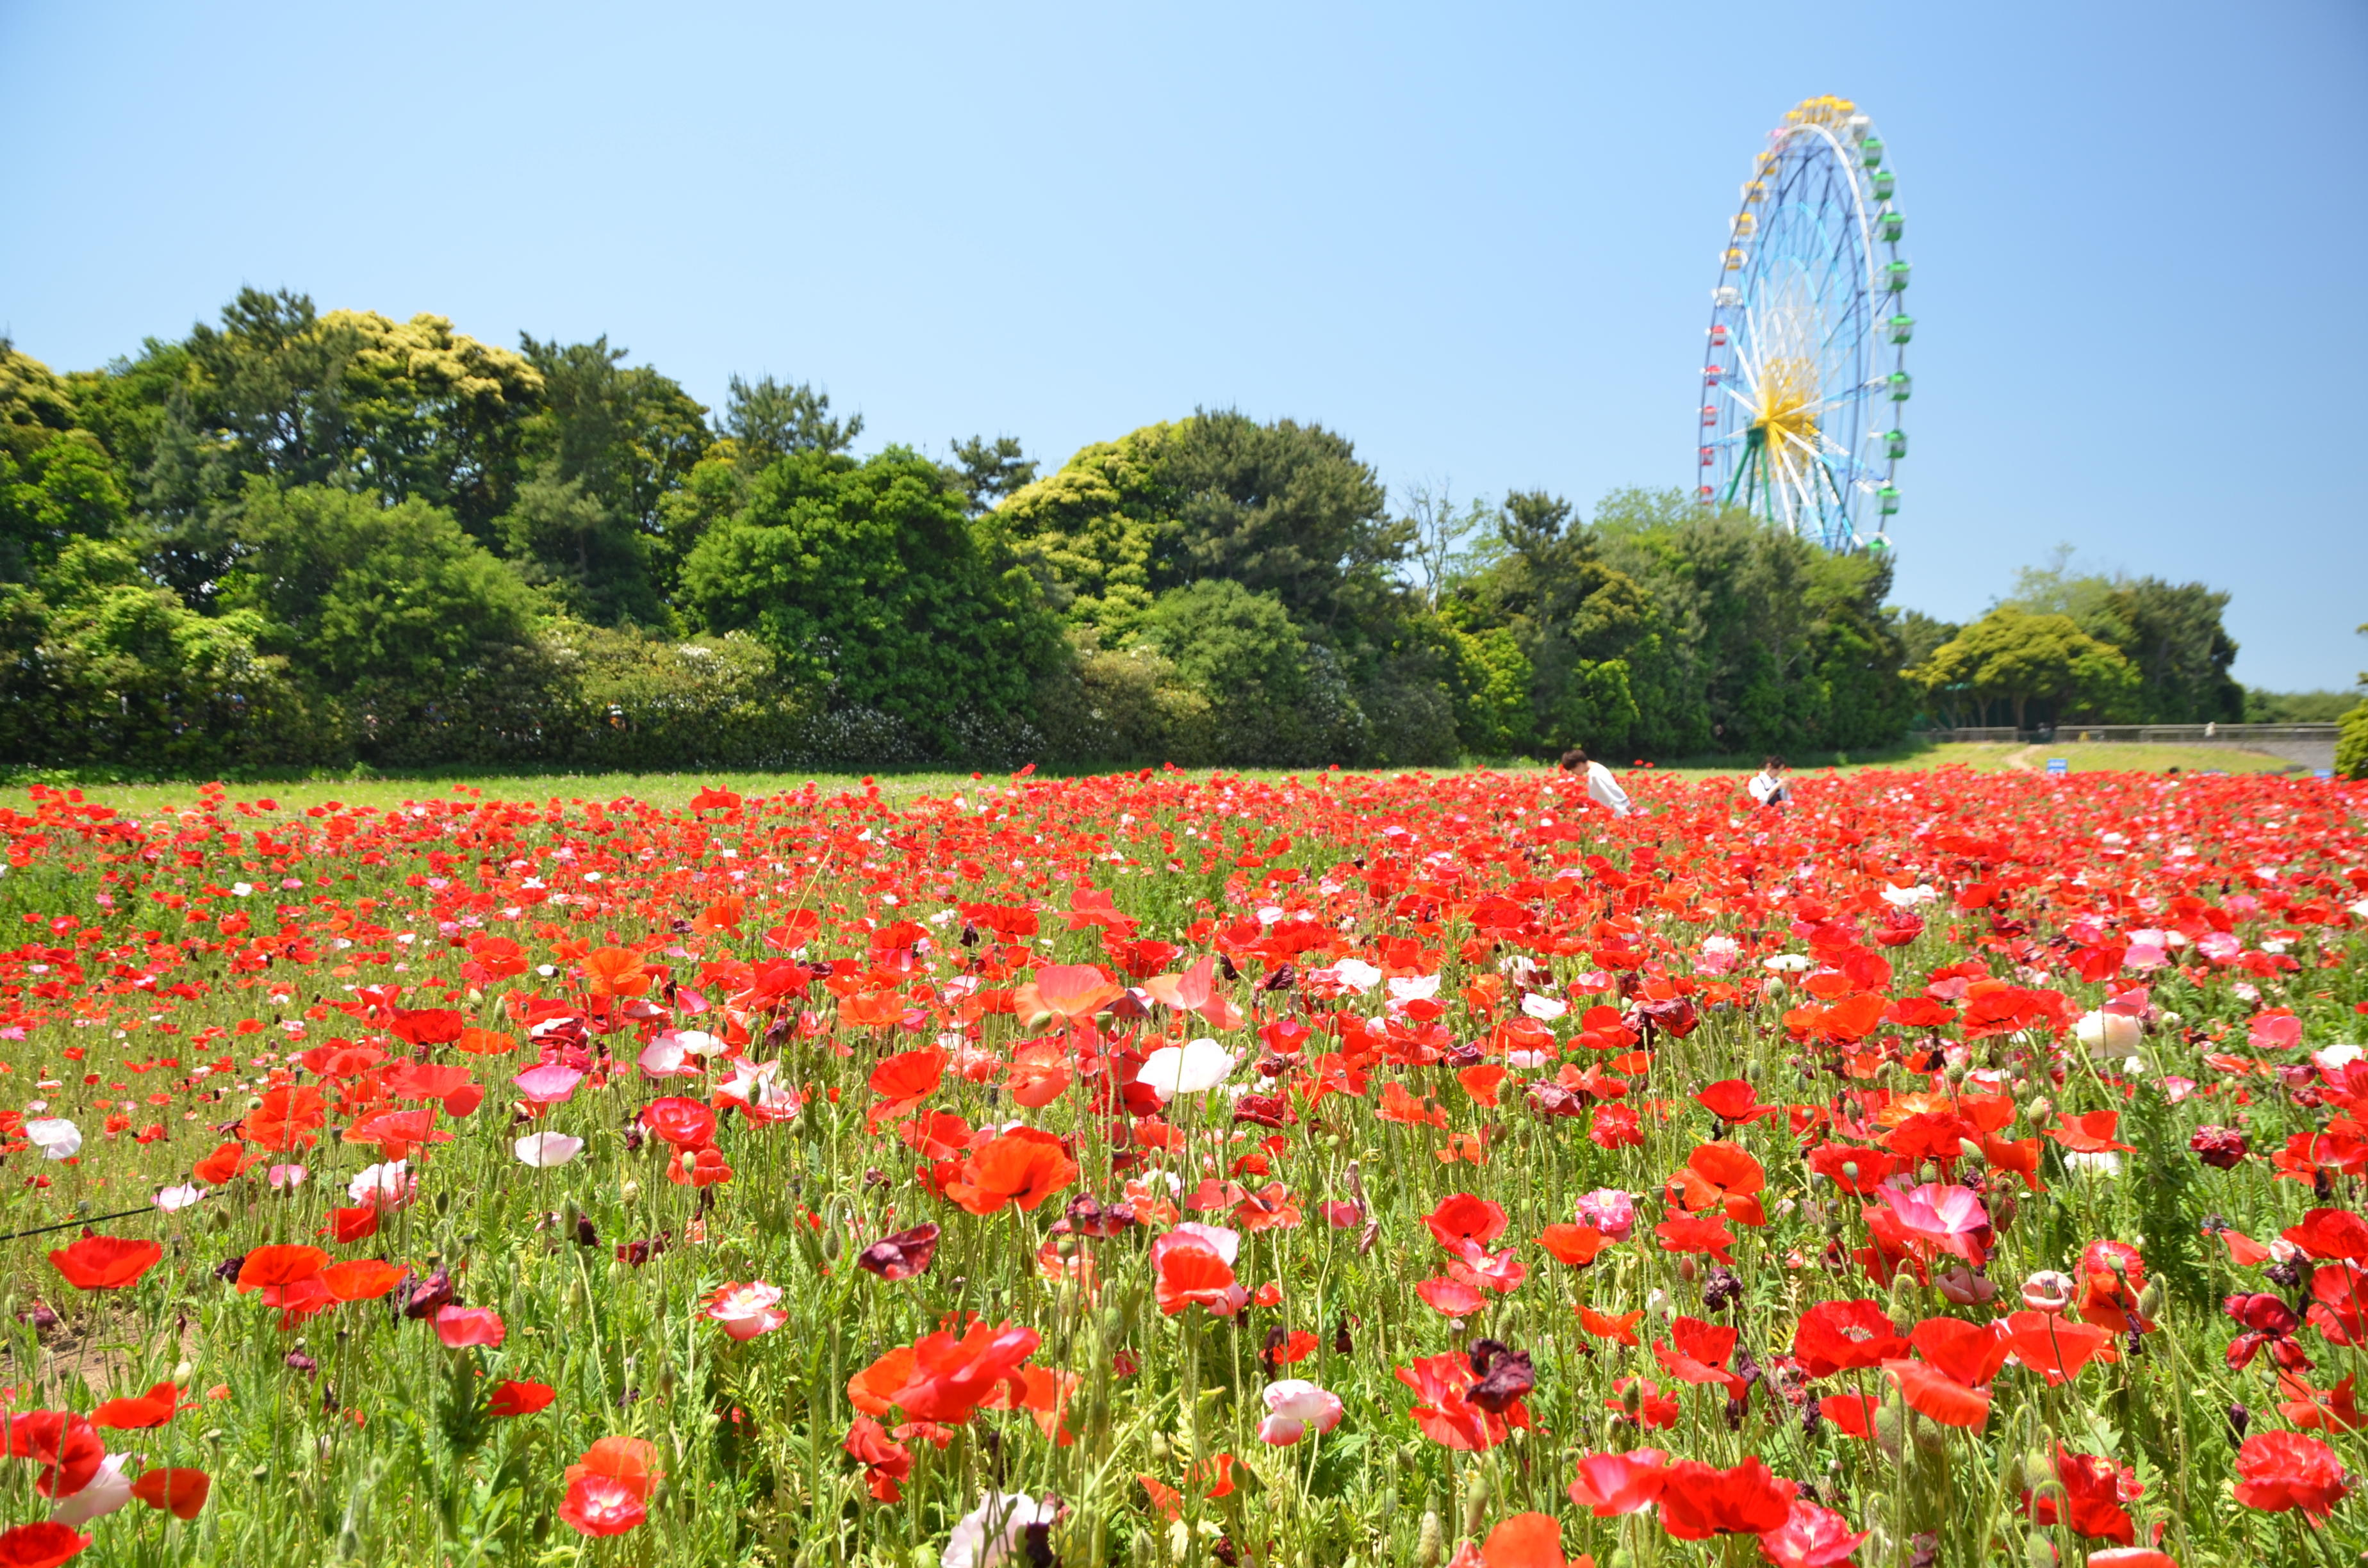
[1601, 788]
[1768, 786]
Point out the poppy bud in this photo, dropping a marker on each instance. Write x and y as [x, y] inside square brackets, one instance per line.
[1431, 1542]
[2010, 1475]
[2150, 1301]
[1686, 1270]
[1475, 1503]
[1906, 1307]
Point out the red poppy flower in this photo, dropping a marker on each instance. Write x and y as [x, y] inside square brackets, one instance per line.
[270, 1266]
[1574, 1244]
[1721, 1176]
[1021, 1167]
[1525, 1540]
[288, 1119]
[1461, 1216]
[363, 1279]
[2092, 1502]
[105, 1263]
[1451, 1297]
[941, 1378]
[1735, 1100]
[2091, 1132]
[685, 1123]
[226, 1161]
[180, 1493]
[513, 1398]
[885, 1462]
[702, 1166]
[630, 1462]
[1855, 1170]
[2332, 1233]
[1934, 1393]
[62, 1442]
[1446, 1416]
[1812, 1537]
[155, 1408]
[2286, 1469]
[347, 1226]
[597, 1506]
[1191, 1270]
[41, 1545]
[2055, 1347]
[1698, 1501]
[461, 1327]
[1842, 1336]
[1622, 1329]
[1611, 1484]
[1687, 1233]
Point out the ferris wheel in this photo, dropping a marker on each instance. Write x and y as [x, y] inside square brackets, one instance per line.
[1807, 381]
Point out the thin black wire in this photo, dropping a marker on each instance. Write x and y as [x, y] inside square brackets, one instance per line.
[70, 1224]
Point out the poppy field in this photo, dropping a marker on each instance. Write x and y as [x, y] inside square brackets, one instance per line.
[1167, 1168]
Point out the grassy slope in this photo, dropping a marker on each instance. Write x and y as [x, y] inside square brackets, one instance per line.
[673, 788]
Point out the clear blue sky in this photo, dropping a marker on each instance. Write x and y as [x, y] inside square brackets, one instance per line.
[1477, 240]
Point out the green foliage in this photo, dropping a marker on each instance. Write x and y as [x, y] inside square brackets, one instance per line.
[420, 634]
[2352, 745]
[991, 471]
[2171, 634]
[101, 664]
[2297, 707]
[637, 700]
[770, 420]
[2014, 657]
[611, 445]
[66, 489]
[869, 580]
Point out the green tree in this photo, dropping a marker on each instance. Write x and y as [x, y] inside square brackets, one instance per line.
[2015, 658]
[279, 392]
[867, 579]
[425, 639]
[612, 443]
[772, 420]
[2171, 632]
[60, 492]
[1283, 508]
[990, 471]
[104, 666]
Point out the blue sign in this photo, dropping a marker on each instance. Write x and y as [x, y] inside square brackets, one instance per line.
[2059, 765]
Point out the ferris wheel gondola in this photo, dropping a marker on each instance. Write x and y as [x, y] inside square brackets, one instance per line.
[1806, 383]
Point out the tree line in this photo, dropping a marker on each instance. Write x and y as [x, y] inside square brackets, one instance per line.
[301, 539]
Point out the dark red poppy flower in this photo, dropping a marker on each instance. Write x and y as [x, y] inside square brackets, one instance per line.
[904, 1255]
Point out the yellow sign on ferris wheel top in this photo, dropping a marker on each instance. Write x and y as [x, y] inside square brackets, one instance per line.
[1827, 110]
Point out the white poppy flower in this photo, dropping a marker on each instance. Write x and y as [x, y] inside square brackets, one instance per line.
[1543, 1009]
[103, 1494]
[2108, 1034]
[55, 1137]
[1355, 974]
[990, 1533]
[545, 1150]
[173, 1199]
[1191, 1069]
